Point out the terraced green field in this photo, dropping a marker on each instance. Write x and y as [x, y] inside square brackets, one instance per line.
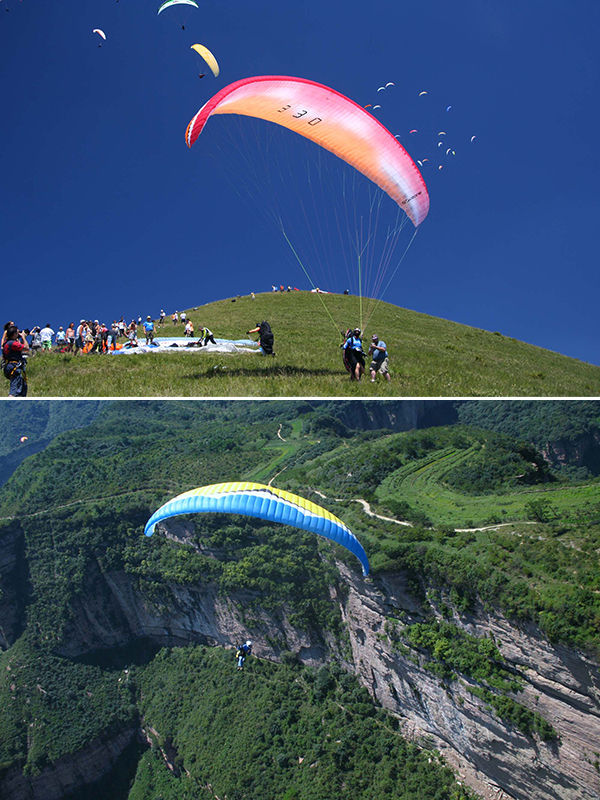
[421, 484]
[281, 449]
[385, 472]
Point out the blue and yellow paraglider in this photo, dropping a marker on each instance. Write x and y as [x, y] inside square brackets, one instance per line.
[264, 502]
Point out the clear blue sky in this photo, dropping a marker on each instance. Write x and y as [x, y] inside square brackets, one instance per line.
[106, 212]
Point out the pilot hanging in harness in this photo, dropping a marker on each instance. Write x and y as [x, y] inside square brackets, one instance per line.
[242, 652]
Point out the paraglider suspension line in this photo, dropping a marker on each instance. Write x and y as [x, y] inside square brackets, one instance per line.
[307, 275]
[402, 257]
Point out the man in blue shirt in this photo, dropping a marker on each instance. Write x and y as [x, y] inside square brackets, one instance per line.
[379, 356]
[149, 329]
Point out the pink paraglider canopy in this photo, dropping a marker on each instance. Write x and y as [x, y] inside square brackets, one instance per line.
[331, 120]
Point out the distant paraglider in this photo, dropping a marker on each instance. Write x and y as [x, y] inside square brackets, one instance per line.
[170, 3]
[263, 502]
[100, 33]
[208, 57]
[23, 439]
[176, 4]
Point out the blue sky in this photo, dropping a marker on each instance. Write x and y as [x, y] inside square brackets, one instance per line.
[105, 211]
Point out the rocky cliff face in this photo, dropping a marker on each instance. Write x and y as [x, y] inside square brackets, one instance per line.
[582, 452]
[396, 415]
[491, 756]
[70, 772]
[14, 583]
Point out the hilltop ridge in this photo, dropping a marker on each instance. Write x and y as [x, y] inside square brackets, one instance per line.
[429, 357]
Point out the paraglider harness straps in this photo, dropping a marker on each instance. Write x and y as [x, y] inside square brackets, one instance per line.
[12, 369]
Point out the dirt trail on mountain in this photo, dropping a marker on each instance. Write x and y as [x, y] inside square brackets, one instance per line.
[367, 509]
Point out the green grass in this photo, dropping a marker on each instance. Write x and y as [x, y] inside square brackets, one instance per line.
[428, 357]
[422, 483]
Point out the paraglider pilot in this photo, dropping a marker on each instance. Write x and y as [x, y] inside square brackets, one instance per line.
[242, 652]
[267, 339]
[354, 357]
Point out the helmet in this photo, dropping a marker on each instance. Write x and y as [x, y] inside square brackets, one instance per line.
[357, 330]
[249, 643]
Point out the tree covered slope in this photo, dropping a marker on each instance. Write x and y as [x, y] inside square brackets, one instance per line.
[118, 669]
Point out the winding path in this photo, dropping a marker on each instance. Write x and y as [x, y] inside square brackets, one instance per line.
[367, 509]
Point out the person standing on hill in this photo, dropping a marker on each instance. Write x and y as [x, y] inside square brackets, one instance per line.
[114, 335]
[46, 335]
[149, 329]
[61, 337]
[354, 356]
[80, 337]
[379, 356]
[71, 337]
[14, 351]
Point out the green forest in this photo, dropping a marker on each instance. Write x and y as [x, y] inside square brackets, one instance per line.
[470, 515]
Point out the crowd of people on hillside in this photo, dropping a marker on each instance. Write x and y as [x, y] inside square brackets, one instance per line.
[93, 336]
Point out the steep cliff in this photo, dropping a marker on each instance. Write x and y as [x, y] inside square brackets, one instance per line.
[14, 584]
[395, 415]
[494, 758]
[583, 451]
[71, 772]
[489, 754]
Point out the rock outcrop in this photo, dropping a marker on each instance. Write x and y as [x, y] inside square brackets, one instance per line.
[70, 772]
[493, 757]
[583, 451]
[396, 415]
[14, 584]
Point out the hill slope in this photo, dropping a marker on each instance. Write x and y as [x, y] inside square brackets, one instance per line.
[429, 357]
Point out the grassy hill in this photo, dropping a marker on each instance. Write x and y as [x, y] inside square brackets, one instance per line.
[429, 357]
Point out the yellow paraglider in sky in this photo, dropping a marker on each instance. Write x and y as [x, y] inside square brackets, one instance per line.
[205, 53]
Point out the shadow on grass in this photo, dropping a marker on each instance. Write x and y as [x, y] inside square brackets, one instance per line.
[261, 372]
